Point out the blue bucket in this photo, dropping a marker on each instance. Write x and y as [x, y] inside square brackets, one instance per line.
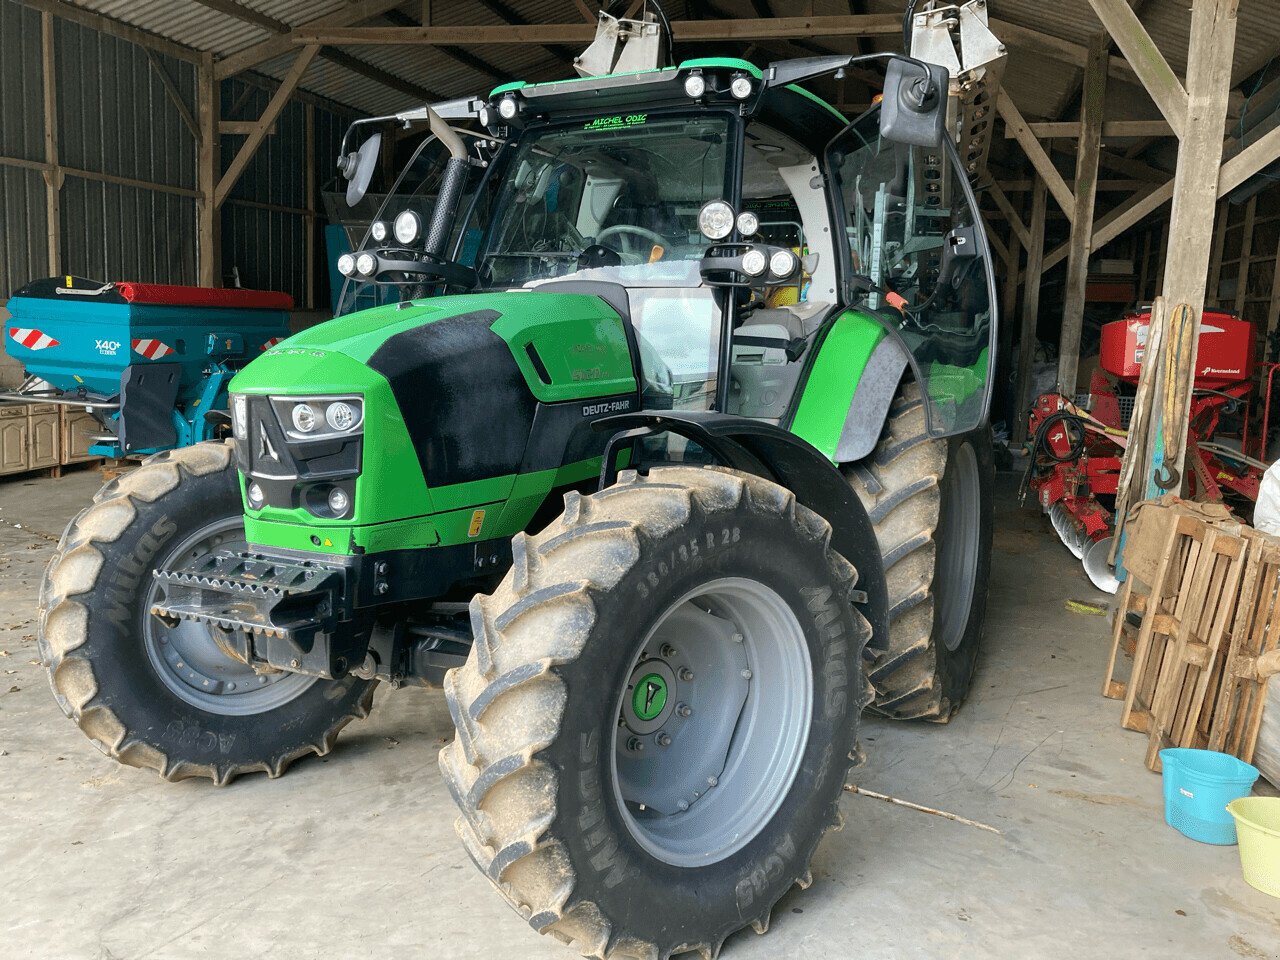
[1198, 785]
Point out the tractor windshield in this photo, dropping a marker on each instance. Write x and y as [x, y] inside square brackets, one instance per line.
[615, 198]
[911, 236]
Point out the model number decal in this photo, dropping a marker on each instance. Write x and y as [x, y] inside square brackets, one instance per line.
[613, 406]
[107, 348]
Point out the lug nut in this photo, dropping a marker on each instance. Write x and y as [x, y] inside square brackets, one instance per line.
[667, 651]
[684, 710]
[746, 674]
[686, 674]
[712, 781]
[664, 740]
[635, 744]
[682, 805]
[737, 638]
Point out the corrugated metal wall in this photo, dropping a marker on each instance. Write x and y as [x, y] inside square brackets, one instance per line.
[116, 118]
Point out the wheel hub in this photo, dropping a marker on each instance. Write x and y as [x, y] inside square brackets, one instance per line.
[712, 721]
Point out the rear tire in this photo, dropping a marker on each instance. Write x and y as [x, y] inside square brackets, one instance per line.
[931, 504]
[543, 766]
[163, 700]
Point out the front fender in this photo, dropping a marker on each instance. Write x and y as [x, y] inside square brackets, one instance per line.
[769, 451]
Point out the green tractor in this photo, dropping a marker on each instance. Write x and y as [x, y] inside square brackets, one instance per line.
[659, 441]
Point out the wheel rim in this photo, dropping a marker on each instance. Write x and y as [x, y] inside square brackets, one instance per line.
[713, 722]
[188, 659]
[959, 531]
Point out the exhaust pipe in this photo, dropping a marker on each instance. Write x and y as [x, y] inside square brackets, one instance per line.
[451, 185]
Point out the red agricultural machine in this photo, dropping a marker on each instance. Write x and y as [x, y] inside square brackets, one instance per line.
[1077, 445]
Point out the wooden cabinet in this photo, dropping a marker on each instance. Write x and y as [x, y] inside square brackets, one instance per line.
[34, 436]
[78, 429]
[44, 436]
[13, 438]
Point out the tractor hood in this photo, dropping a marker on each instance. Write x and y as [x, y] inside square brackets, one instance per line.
[457, 396]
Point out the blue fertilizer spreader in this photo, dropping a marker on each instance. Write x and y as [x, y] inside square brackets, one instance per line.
[151, 362]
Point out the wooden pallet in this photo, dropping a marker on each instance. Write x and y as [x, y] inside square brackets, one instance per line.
[1145, 619]
[1250, 657]
[1207, 603]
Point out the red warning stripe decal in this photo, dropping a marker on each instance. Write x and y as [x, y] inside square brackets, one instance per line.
[271, 343]
[152, 349]
[32, 339]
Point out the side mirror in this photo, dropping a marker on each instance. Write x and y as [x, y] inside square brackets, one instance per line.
[914, 110]
[358, 168]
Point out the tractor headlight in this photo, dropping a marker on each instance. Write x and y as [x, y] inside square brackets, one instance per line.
[694, 86]
[366, 264]
[347, 264]
[253, 493]
[782, 264]
[408, 226]
[748, 224]
[240, 416]
[379, 230]
[715, 220]
[339, 501]
[741, 86]
[319, 418]
[508, 108]
[753, 262]
[303, 417]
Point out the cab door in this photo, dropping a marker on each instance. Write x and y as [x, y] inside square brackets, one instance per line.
[916, 256]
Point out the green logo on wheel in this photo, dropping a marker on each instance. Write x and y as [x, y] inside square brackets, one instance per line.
[649, 696]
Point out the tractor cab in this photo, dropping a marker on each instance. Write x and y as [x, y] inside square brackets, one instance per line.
[729, 215]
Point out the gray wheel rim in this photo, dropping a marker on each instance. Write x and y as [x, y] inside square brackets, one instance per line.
[959, 531]
[189, 661]
[725, 677]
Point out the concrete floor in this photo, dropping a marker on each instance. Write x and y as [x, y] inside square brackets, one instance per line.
[355, 856]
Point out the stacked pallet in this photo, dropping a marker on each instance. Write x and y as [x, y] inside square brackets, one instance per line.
[1199, 619]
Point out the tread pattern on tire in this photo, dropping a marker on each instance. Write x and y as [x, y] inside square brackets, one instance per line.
[506, 793]
[900, 485]
[64, 609]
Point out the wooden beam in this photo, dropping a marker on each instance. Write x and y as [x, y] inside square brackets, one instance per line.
[278, 100]
[175, 95]
[1070, 129]
[1215, 259]
[1011, 215]
[998, 245]
[260, 53]
[1242, 166]
[96, 176]
[1199, 173]
[1273, 309]
[583, 9]
[1036, 43]
[371, 72]
[1157, 77]
[52, 175]
[207, 240]
[241, 128]
[239, 11]
[1094, 96]
[685, 31]
[1030, 314]
[1036, 154]
[113, 28]
[1246, 254]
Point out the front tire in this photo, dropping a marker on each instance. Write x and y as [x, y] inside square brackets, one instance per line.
[590, 652]
[167, 698]
[931, 503]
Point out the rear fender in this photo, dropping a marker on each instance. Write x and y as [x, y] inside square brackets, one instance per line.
[769, 451]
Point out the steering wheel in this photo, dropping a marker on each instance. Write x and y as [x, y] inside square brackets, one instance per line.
[655, 239]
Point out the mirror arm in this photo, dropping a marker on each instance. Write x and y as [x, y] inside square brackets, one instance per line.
[785, 72]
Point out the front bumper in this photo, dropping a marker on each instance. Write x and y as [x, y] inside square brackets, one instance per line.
[292, 611]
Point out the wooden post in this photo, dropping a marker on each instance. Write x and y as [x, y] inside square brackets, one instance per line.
[309, 222]
[207, 110]
[1195, 190]
[1246, 254]
[1008, 308]
[52, 173]
[1215, 261]
[1030, 312]
[1093, 100]
[1145, 275]
[1273, 310]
